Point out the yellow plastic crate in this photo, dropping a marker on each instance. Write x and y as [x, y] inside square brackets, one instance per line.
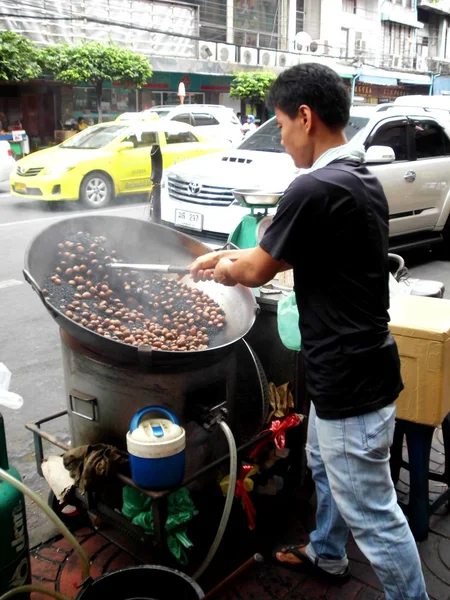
[421, 327]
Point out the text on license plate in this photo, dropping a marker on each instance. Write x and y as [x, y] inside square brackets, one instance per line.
[20, 187]
[188, 219]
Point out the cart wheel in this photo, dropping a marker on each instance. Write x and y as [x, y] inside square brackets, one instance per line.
[71, 515]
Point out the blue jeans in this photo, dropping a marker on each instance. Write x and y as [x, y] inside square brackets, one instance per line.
[349, 460]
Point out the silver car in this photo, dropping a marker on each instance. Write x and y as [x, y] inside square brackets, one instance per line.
[408, 148]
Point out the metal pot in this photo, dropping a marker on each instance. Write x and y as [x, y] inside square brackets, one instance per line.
[140, 241]
[147, 582]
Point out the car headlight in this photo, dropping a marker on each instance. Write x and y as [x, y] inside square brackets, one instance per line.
[59, 169]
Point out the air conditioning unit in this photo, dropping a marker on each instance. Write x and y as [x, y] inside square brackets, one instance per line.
[207, 50]
[421, 63]
[319, 47]
[226, 53]
[408, 62]
[267, 58]
[248, 56]
[284, 59]
[360, 45]
[396, 61]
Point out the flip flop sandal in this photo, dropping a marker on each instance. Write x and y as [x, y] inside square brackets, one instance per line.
[308, 564]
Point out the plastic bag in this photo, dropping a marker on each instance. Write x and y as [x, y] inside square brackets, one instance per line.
[288, 322]
[138, 508]
[8, 399]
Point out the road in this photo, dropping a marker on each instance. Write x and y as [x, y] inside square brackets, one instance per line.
[29, 344]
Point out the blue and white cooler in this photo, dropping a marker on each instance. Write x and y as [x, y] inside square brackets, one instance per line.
[156, 446]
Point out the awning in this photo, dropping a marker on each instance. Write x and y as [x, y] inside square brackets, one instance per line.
[373, 79]
[416, 80]
[399, 14]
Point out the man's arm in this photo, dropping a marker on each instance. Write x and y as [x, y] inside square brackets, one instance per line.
[252, 267]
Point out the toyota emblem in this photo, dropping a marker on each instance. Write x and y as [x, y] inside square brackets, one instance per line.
[194, 188]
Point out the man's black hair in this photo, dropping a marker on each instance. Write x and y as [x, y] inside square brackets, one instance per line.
[80, 119]
[315, 85]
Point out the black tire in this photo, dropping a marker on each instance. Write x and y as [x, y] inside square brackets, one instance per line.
[96, 190]
[445, 247]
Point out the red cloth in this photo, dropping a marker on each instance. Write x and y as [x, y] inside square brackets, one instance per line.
[278, 429]
[241, 492]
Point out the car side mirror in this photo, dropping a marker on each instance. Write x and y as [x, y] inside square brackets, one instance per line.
[379, 155]
[124, 146]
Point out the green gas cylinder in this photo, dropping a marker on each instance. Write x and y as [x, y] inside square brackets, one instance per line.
[14, 555]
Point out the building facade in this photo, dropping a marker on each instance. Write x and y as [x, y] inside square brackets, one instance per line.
[381, 48]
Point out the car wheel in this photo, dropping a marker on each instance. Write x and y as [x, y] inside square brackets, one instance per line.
[96, 190]
[444, 249]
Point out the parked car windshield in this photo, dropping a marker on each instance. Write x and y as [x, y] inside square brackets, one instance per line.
[268, 137]
[95, 138]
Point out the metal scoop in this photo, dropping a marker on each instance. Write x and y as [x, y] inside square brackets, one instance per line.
[156, 268]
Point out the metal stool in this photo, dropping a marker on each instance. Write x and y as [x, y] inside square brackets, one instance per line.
[418, 440]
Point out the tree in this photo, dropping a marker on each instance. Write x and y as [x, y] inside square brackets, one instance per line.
[251, 86]
[95, 63]
[18, 58]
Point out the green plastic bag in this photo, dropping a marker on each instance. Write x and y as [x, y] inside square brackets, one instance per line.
[138, 508]
[288, 322]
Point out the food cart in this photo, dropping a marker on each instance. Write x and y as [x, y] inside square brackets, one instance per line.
[18, 140]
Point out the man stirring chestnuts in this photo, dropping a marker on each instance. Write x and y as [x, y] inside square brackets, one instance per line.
[331, 227]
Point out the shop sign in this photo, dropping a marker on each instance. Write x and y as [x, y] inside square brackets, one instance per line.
[386, 92]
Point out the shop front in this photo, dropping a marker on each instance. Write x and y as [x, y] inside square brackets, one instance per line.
[200, 89]
[371, 89]
[160, 90]
[32, 107]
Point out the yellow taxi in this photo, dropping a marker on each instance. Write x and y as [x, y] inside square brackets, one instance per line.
[106, 160]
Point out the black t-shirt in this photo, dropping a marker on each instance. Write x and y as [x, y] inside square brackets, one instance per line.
[332, 227]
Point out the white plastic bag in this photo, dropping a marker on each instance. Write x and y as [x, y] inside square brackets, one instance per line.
[7, 398]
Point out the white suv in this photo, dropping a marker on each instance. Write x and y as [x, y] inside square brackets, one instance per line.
[407, 148]
[211, 120]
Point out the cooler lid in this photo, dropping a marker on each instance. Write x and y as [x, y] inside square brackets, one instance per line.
[156, 430]
[420, 317]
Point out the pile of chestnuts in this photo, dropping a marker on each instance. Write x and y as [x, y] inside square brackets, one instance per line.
[126, 306]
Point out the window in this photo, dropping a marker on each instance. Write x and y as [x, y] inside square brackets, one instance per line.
[142, 139]
[394, 136]
[95, 137]
[349, 6]
[268, 137]
[354, 125]
[344, 42]
[422, 46]
[213, 19]
[183, 118]
[256, 23]
[180, 137]
[299, 15]
[430, 140]
[202, 119]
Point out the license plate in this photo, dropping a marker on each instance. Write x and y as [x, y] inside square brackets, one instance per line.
[188, 219]
[21, 187]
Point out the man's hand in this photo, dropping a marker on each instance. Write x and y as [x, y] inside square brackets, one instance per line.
[203, 267]
[251, 267]
[222, 273]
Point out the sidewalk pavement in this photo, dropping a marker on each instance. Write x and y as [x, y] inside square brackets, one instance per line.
[55, 565]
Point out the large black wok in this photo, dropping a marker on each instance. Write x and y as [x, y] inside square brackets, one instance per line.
[140, 241]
